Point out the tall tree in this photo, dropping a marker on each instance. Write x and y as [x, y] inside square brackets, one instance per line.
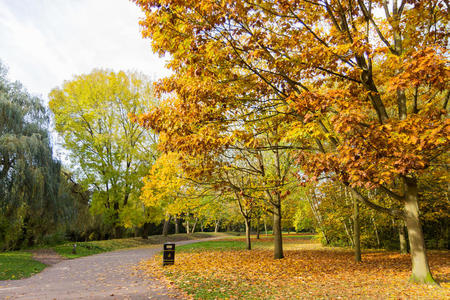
[34, 198]
[111, 152]
[367, 93]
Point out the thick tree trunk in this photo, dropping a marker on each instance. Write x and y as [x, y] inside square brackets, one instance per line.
[420, 269]
[356, 230]
[277, 239]
[165, 230]
[402, 237]
[117, 230]
[216, 228]
[177, 225]
[145, 230]
[187, 227]
[247, 233]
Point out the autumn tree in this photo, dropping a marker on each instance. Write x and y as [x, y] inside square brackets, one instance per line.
[252, 163]
[365, 82]
[110, 152]
[246, 191]
[169, 189]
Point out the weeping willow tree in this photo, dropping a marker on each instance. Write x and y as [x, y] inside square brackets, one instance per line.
[34, 200]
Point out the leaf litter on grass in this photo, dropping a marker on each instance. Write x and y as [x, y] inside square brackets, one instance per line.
[318, 274]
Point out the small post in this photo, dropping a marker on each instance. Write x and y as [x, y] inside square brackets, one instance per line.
[169, 254]
[74, 249]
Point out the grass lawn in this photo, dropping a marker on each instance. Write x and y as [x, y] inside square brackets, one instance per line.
[212, 245]
[95, 247]
[18, 264]
[225, 270]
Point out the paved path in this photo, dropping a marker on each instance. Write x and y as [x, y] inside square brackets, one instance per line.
[110, 275]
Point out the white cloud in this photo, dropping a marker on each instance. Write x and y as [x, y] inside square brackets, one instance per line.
[44, 42]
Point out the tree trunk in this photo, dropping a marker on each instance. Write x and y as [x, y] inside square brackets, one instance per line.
[402, 237]
[356, 230]
[216, 228]
[201, 227]
[420, 269]
[277, 239]
[247, 233]
[166, 225]
[257, 229]
[187, 227]
[349, 236]
[117, 230]
[193, 226]
[177, 225]
[145, 230]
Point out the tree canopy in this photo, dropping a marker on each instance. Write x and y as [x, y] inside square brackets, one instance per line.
[110, 152]
[35, 197]
[361, 84]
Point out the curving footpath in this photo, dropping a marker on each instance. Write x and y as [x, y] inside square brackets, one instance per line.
[110, 275]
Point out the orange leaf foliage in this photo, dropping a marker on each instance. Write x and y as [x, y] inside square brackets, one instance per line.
[304, 274]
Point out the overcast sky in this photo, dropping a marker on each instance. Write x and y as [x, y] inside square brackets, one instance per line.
[44, 42]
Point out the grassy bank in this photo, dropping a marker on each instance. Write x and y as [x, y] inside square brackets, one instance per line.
[18, 264]
[95, 247]
[225, 270]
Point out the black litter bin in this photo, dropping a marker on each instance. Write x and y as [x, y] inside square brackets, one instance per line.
[169, 254]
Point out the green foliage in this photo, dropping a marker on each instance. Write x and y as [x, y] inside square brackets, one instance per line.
[95, 247]
[35, 199]
[303, 219]
[333, 208]
[17, 265]
[110, 152]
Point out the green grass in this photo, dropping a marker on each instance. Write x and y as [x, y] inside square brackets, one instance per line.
[302, 236]
[17, 265]
[212, 245]
[95, 247]
[83, 249]
[238, 243]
